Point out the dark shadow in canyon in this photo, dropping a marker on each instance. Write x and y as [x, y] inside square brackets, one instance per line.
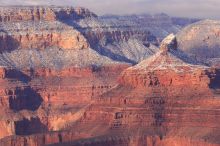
[26, 98]
[17, 75]
[23, 96]
[7, 45]
[215, 80]
[7, 42]
[91, 38]
[30, 126]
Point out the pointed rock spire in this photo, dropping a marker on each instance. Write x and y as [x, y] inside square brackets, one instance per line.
[169, 43]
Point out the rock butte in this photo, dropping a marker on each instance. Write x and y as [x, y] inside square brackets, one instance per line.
[58, 93]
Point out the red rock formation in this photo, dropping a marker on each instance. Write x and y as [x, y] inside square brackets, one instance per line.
[41, 35]
[58, 89]
[173, 103]
[73, 82]
[39, 13]
[167, 94]
[169, 69]
[70, 39]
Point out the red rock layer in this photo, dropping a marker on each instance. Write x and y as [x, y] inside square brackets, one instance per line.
[167, 78]
[65, 87]
[59, 86]
[119, 141]
[71, 39]
[36, 13]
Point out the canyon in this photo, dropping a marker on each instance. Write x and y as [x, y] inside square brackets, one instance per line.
[72, 78]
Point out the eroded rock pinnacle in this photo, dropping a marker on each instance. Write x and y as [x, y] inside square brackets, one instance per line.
[169, 43]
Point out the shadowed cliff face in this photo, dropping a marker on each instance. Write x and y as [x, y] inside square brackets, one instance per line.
[215, 79]
[7, 42]
[17, 75]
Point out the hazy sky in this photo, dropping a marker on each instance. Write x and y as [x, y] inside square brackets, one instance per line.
[187, 8]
